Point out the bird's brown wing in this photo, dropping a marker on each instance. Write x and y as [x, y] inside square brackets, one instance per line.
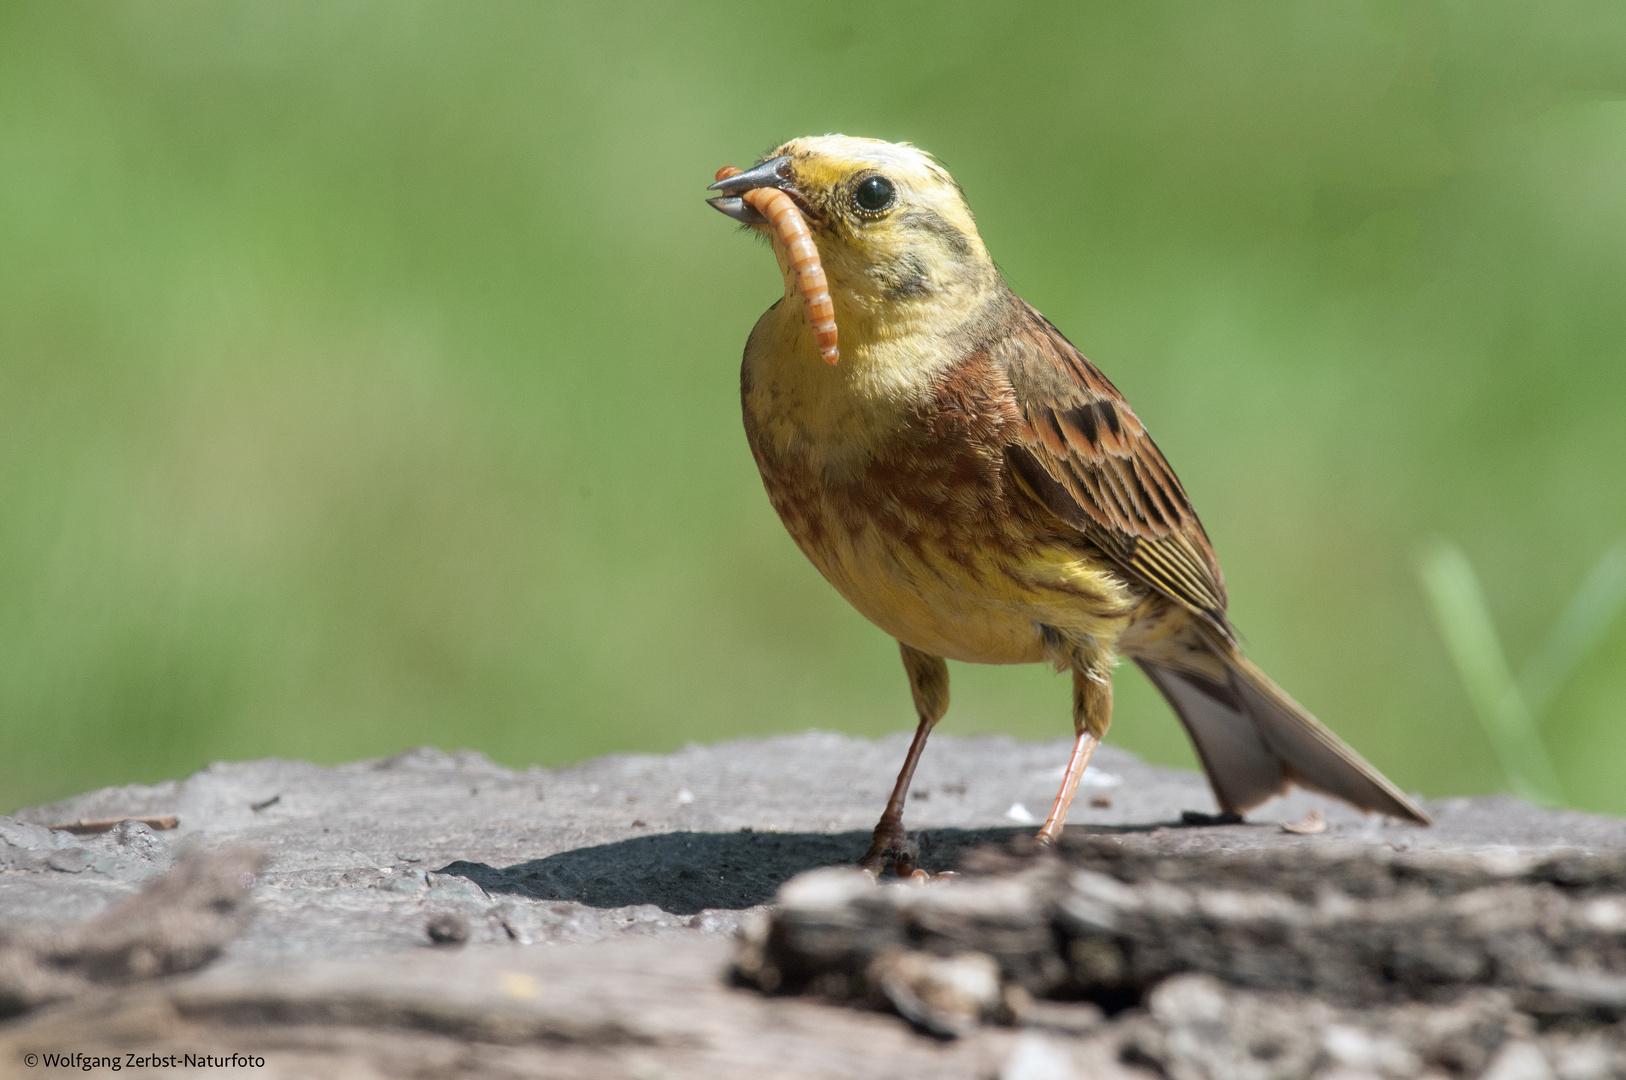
[1082, 453]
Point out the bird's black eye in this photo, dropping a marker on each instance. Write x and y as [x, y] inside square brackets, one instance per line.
[874, 194]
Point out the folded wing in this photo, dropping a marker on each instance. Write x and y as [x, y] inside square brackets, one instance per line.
[1083, 454]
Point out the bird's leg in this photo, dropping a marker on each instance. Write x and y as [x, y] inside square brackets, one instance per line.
[890, 846]
[1092, 712]
[928, 680]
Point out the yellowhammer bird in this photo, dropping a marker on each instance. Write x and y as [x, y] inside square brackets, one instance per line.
[979, 490]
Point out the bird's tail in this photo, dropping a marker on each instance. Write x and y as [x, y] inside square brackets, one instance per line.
[1254, 739]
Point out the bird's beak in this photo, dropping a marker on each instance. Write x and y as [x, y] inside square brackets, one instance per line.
[738, 209]
[771, 173]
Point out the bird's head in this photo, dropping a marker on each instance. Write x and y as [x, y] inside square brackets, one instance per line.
[891, 225]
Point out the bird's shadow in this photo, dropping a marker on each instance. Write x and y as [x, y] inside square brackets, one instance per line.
[688, 872]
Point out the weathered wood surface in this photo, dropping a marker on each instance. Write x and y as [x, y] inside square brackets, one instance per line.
[599, 906]
[1272, 962]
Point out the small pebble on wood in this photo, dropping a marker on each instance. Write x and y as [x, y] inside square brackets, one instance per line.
[448, 929]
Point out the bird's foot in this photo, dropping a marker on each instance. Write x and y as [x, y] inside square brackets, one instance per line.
[891, 847]
[921, 877]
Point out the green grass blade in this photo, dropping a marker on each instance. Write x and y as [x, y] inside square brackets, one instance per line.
[1590, 613]
[1470, 637]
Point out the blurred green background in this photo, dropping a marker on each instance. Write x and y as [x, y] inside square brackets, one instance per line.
[368, 371]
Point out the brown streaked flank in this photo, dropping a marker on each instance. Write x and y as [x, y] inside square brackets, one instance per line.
[980, 491]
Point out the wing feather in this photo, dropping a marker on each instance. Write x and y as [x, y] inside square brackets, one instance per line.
[1081, 452]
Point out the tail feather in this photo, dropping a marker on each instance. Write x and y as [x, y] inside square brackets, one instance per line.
[1254, 740]
[1241, 768]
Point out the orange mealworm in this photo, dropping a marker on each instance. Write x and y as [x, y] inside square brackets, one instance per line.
[787, 221]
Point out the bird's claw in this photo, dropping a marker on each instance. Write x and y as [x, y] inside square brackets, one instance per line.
[891, 847]
[921, 877]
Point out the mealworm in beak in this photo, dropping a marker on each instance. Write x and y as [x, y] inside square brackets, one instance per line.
[788, 223]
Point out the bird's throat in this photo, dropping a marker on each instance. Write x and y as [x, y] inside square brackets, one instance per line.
[840, 417]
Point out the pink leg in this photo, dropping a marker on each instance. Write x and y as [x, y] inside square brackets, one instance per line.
[928, 681]
[1083, 747]
[891, 843]
[1092, 712]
